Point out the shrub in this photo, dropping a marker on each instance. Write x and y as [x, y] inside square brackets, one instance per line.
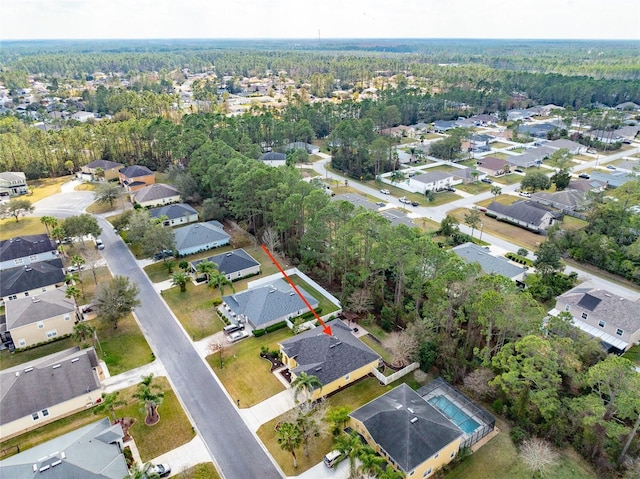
[518, 435]
[217, 301]
[275, 327]
[498, 406]
[259, 332]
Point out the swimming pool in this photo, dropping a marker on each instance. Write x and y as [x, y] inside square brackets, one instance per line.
[454, 413]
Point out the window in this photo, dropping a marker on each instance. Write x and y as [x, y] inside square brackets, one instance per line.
[35, 416]
[26, 293]
[453, 453]
[567, 308]
[44, 290]
[619, 332]
[584, 315]
[437, 455]
[52, 333]
[601, 323]
[22, 342]
[33, 257]
[18, 261]
[428, 472]
[45, 412]
[67, 317]
[346, 378]
[40, 325]
[15, 296]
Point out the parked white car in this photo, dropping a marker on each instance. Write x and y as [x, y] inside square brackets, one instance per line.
[238, 335]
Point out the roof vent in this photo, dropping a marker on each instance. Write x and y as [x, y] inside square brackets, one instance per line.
[319, 369]
[414, 420]
[56, 366]
[42, 469]
[75, 360]
[28, 370]
[228, 254]
[35, 468]
[17, 373]
[35, 299]
[410, 410]
[56, 463]
[607, 295]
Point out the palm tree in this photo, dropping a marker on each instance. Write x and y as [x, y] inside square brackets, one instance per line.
[77, 261]
[82, 331]
[142, 472]
[58, 233]
[352, 446]
[397, 176]
[180, 279]
[305, 384]
[110, 402]
[149, 399]
[218, 280]
[49, 221]
[206, 267]
[289, 438]
[72, 292]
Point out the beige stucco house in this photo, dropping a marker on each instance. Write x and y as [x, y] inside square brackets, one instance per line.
[40, 318]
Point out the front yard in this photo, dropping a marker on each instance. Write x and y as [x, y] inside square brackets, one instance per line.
[29, 225]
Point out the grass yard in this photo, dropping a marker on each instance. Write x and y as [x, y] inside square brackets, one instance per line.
[500, 155]
[427, 225]
[432, 136]
[555, 164]
[45, 187]
[633, 354]
[352, 397]
[378, 348]
[173, 430]
[309, 172]
[440, 198]
[570, 223]
[245, 375]
[519, 150]
[324, 303]
[474, 188]
[496, 145]
[498, 459]
[97, 208]
[194, 309]
[25, 226]
[509, 179]
[503, 199]
[204, 470]
[86, 186]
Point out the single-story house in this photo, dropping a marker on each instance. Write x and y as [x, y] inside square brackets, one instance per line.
[467, 175]
[13, 183]
[606, 137]
[484, 120]
[628, 106]
[83, 116]
[155, 195]
[587, 185]
[135, 177]
[47, 389]
[175, 214]
[31, 280]
[517, 114]
[263, 306]
[93, 451]
[301, 145]
[198, 237]
[433, 181]
[627, 165]
[273, 158]
[536, 130]
[356, 200]
[527, 214]
[531, 157]
[110, 169]
[628, 132]
[573, 147]
[493, 166]
[440, 126]
[419, 432]
[570, 199]
[25, 250]
[490, 264]
[234, 264]
[40, 318]
[336, 360]
[396, 131]
[480, 141]
[613, 319]
[614, 179]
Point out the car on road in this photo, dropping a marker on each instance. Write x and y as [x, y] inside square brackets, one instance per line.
[238, 335]
[584, 176]
[161, 470]
[526, 194]
[519, 170]
[611, 167]
[404, 200]
[385, 191]
[486, 180]
[415, 203]
[381, 204]
[99, 243]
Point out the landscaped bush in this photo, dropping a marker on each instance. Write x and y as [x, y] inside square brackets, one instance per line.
[517, 435]
[519, 259]
[275, 327]
[259, 332]
[217, 301]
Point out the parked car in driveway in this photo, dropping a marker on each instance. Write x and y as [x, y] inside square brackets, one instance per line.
[526, 194]
[167, 253]
[486, 180]
[238, 335]
[584, 176]
[404, 200]
[99, 243]
[161, 470]
[385, 191]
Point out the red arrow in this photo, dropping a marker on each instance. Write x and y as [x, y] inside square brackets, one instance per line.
[325, 329]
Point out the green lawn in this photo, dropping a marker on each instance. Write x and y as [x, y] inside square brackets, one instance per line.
[204, 470]
[25, 226]
[45, 187]
[245, 375]
[555, 163]
[173, 430]
[509, 179]
[633, 354]
[503, 199]
[326, 305]
[500, 155]
[474, 188]
[427, 225]
[497, 145]
[96, 208]
[440, 198]
[519, 150]
[498, 459]
[572, 224]
[378, 348]
[158, 272]
[194, 309]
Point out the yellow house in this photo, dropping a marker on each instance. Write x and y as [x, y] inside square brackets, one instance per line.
[336, 360]
[40, 318]
[412, 435]
[46, 389]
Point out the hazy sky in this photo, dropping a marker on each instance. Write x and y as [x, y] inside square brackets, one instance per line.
[41, 19]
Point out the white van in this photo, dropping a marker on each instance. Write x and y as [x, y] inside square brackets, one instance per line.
[332, 458]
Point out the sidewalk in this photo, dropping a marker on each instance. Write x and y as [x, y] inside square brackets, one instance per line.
[184, 457]
[132, 377]
[256, 416]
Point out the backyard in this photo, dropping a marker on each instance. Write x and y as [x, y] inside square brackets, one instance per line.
[173, 430]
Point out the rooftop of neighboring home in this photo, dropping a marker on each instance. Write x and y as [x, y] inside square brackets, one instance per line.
[264, 304]
[525, 211]
[197, 234]
[328, 357]
[23, 311]
[230, 262]
[569, 198]
[32, 276]
[613, 179]
[172, 212]
[89, 452]
[406, 426]
[490, 264]
[104, 164]
[156, 191]
[356, 200]
[22, 246]
[13, 177]
[135, 171]
[433, 176]
[45, 382]
[586, 185]
[273, 156]
[492, 163]
[564, 143]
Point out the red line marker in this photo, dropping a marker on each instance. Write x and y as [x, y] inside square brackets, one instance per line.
[325, 329]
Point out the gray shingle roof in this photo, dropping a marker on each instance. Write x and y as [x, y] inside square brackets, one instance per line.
[22, 246]
[623, 313]
[230, 262]
[492, 163]
[87, 455]
[565, 198]
[157, 191]
[328, 357]
[273, 156]
[30, 388]
[614, 180]
[525, 211]
[173, 212]
[389, 422]
[36, 275]
[23, 311]
[265, 304]
[104, 164]
[433, 176]
[490, 264]
[356, 200]
[198, 234]
[564, 143]
[135, 171]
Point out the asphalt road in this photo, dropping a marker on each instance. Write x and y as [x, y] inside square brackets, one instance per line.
[236, 450]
